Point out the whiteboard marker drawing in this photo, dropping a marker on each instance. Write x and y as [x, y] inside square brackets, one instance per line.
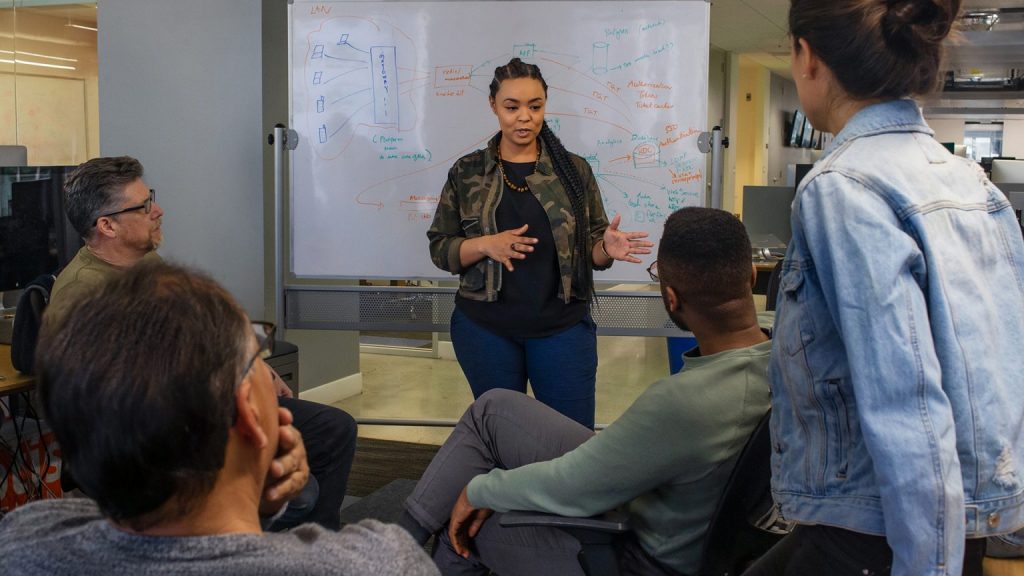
[524, 52]
[647, 155]
[391, 94]
[600, 63]
[384, 71]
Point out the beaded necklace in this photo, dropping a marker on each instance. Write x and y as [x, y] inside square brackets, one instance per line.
[513, 187]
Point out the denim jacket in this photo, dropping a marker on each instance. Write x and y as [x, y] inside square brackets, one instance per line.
[896, 366]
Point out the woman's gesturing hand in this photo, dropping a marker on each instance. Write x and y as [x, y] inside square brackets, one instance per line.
[508, 245]
[620, 245]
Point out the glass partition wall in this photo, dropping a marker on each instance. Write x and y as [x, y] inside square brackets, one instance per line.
[48, 80]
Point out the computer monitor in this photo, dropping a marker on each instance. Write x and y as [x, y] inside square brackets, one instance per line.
[35, 235]
[797, 129]
[766, 216]
[805, 140]
[1007, 171]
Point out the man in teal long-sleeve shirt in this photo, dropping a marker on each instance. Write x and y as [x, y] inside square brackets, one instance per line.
[665, 461]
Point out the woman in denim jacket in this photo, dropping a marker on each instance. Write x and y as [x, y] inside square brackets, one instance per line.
[897, 418]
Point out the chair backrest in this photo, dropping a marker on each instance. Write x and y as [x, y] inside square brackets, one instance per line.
[771, 294]
[733, 539]
[28, 319]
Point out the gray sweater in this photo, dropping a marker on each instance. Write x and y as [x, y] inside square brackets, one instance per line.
[70, 536]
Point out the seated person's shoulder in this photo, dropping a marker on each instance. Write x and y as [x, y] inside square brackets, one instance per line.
[73, 285]
[63, 298]
[43, 519]
[706, 388]
[368, 547]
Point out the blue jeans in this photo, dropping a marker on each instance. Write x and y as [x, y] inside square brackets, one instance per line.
[562, 368]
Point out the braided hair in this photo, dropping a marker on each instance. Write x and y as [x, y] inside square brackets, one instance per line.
[568, 175]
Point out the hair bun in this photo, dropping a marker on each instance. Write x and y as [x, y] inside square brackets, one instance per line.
[916, 24]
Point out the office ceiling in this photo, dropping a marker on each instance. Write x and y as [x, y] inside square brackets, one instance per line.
[83, 13]
[758, 29]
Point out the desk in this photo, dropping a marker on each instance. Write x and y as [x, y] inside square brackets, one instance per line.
[12, 381]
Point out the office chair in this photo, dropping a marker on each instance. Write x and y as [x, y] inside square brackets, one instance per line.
[28, 319]
[771, 295]
[743, 527]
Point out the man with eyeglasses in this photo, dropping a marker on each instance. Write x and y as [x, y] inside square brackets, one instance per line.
[119, 219]
[172, 424]
[665, 460]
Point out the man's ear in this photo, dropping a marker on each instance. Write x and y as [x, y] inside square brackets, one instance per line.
[753, 275]
[104, 227]
[249, 417]
[672, 299]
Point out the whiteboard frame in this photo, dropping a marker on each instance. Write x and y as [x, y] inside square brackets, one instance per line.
[293, 281]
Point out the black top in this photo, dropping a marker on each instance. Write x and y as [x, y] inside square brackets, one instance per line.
[528, 305]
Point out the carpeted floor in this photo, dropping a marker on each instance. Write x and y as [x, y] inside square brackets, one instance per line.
[383, 474]
[378, 462]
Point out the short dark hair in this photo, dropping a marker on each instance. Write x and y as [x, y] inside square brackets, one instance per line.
[95, 187]
[877, 48]
[705, 256]
[138, 384]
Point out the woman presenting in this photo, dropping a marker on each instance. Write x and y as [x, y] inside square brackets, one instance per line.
[897, 424]
[522, 223]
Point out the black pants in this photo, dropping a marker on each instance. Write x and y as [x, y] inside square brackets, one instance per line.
[330, 438]
[817, 550]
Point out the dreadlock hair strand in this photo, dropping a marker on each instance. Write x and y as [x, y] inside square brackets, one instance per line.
[583, 273]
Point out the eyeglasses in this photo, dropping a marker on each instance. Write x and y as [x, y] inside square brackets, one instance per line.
[146, 207]
[264, 332]
[265, 338]
[653, 271]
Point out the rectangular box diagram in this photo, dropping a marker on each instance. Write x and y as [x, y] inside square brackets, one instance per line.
[384, 70]
[453, 75]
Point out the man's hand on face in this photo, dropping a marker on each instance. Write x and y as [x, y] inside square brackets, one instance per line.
[289, 471]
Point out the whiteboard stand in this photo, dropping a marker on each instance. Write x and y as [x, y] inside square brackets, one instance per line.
[282, 139]
[714, 142]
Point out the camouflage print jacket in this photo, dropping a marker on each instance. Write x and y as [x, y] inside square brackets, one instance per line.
[467, 209]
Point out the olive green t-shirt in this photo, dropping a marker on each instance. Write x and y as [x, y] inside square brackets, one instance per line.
[82, 276]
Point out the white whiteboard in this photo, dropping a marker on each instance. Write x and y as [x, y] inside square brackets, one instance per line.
[386, 96]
